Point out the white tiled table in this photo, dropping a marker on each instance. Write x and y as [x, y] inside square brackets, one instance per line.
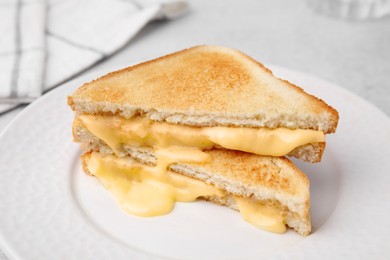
[354, 55]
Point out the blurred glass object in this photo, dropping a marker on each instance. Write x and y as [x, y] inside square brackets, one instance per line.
[351, 9]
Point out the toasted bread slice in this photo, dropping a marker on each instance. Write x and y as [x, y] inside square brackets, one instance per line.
[267, 180]
[205, 86]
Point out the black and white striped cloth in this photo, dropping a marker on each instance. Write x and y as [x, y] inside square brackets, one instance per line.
[44, 43]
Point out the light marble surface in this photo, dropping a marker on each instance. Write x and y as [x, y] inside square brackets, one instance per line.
[354, 55]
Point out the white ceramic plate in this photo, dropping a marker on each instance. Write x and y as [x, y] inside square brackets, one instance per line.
[49, 209]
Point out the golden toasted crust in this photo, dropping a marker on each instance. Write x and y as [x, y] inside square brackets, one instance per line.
[257, 170]
[205, 86]
[84, 160]
[309, 153]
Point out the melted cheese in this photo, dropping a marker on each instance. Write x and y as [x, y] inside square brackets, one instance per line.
[149, 191]
[115, 131]
[261, 216]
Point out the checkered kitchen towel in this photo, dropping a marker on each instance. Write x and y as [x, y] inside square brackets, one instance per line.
[44, 43]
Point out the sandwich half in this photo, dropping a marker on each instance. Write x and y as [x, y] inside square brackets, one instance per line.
[207, 122]
[269, 192]
[221, 96]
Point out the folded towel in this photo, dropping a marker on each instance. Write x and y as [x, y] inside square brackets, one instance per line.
[45, 43]
[22, 50]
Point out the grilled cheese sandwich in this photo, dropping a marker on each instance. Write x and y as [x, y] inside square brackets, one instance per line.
[207, 122]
